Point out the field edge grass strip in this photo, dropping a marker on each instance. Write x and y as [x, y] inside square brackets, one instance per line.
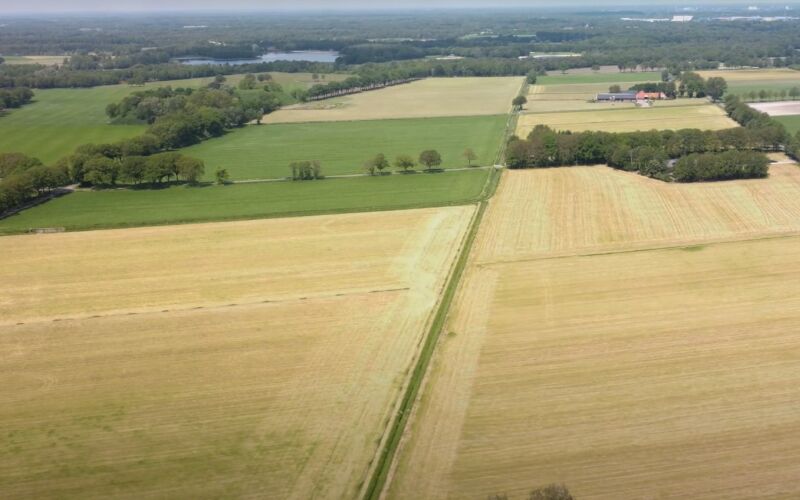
[386, 456]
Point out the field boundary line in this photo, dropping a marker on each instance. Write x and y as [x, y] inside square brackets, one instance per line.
[686, 245]
[386, 455]
[386, 463]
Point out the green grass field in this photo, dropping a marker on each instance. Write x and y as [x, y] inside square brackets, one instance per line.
[59, 120]
[265, 151]
[792, 122]
[555, 78]
[181, 204]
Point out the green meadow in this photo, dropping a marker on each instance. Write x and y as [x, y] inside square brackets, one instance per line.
[265, 151]
[59, 120]
[554, 78]
[791, 122]
[85, 210]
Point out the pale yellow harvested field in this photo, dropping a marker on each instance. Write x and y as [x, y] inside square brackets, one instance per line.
[604, 338]
[707, 117]
[423, 98]
[255, 359]
[745, 75]
[598, 209]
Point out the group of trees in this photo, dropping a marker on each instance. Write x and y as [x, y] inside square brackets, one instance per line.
[23, 179]
[647, 153]
[306, 170]
[721, 166]
[15, 97]
[430, 158]
[106, 165]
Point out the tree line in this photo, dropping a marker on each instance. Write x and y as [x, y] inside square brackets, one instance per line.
[736, 152]
[44, 77]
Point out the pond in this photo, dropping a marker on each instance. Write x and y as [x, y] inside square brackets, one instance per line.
[323, 56]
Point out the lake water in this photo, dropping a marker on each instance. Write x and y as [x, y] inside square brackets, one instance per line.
[323, 56]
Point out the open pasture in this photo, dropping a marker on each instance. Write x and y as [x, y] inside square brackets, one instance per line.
[742, 82]
[181, 204]
[59, 120]
[792, 123]
[265, 151]
[629, 119]
[262, 362]
[612, 326]
[44, 60]
[629, 78]
[426, 98]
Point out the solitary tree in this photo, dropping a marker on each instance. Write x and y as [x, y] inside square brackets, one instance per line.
[716, 87]
[404, 162]
[519, 101]
[190, 168]
[430, 158]
[470, 156]
[248, 82]
[532, 76]
[222, 176]
[614, 89]
[381, 162]
[595, 68]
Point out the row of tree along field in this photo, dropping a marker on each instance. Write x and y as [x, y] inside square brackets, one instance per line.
[24, 179]
[701, 154]
[45, 77]
[771, 95]
[648, 153]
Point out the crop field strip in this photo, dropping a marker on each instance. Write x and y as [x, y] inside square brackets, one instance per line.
[708, 117]
[265, 151]
[659, 299]
[244, 327]
[431, 97]
[84, 210]
[741, 82]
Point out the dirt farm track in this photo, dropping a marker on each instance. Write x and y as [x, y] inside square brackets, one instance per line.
[629, 338]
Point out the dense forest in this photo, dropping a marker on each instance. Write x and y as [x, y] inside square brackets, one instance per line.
[105, 50]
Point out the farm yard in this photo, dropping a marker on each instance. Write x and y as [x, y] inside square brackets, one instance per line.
[265, 151]
[230, 359]
[181, 204]
[603, 322]
[629, 119]
[426, 98]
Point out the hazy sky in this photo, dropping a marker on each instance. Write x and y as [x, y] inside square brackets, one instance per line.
[149, 5]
